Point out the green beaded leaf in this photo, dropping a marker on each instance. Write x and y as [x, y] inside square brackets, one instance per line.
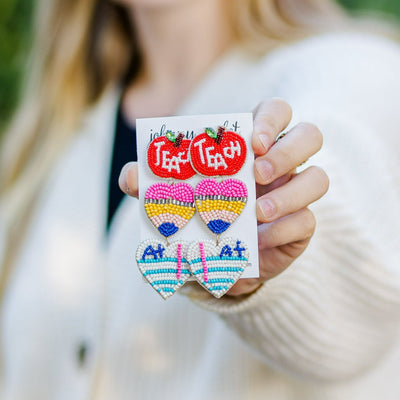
[170, 136]
[210, 132]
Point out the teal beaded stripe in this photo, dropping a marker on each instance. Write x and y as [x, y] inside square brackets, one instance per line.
[215, 258]
[217, 288]
[219, 280]
[166, 289]
[158, 260]
[166, 282]
[218, 269]
[165, 271]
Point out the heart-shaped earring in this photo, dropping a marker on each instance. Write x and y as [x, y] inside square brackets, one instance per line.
[220, 203]
[164, 267]
[169, 207]
[217, 267]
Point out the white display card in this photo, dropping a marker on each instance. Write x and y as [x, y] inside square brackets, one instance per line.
[245, 226]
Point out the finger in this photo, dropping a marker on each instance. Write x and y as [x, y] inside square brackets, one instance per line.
[275, 260]
[128, 179]
[279, 243]
[302, 190]
[271, 117]
[298, 145]
[291, 228]
[244, 286]
[282, 180]
[272, 261]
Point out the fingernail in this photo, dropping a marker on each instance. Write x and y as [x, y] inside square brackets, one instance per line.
[267, 208]
[265, 142]
[122, 178]
[264, 170]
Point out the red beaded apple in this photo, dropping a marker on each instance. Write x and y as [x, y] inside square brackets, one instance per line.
[218, 153]
[168, 157]
[169, 207]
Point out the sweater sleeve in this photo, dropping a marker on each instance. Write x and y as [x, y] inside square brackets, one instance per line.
[335, 312]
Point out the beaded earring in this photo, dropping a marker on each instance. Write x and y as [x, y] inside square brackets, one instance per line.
[169, 207]
[217, 266]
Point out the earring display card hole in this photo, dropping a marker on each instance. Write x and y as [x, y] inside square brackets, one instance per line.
[148, 129]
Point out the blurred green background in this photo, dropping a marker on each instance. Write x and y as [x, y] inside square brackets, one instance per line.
[15, 41]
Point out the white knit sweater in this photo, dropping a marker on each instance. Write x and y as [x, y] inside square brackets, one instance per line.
[79, 323]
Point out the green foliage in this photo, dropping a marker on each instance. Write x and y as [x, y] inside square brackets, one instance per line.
[14, 44]
[387, 6]
[15, 41]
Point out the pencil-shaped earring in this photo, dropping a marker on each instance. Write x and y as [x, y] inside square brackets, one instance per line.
[169, 207]
[217, 266]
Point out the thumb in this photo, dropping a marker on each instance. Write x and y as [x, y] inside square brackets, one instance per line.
[128, 179]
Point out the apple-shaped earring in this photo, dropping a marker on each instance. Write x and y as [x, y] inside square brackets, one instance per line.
[168, 157]
[169, 207]
[218, 153]
[217, 266]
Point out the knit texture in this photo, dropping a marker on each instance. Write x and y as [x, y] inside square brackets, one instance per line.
[326, 328]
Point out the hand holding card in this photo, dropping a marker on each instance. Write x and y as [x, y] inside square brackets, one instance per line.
[184, 149]
[285, 224]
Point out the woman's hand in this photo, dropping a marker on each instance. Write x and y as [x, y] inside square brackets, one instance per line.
[285, 223]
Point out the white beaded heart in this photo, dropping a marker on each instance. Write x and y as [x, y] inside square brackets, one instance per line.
[163, 266]
[218, 267]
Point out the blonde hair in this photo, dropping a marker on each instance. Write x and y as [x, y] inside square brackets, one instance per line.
[83, 47]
